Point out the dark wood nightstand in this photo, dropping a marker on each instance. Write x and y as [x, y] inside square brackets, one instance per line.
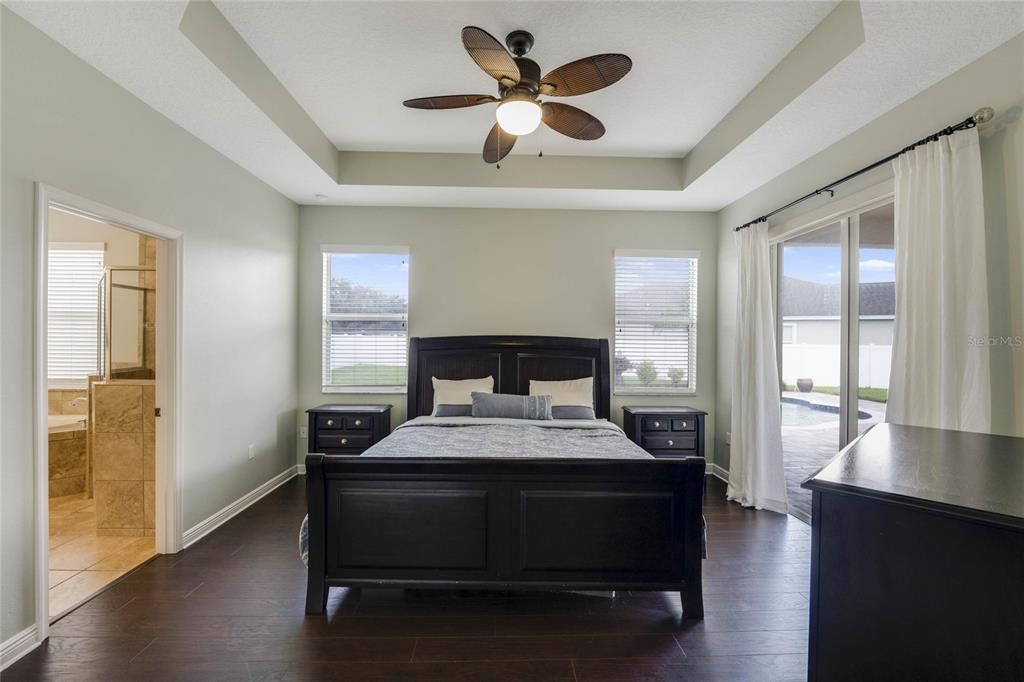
[666, 431]
[347, 429]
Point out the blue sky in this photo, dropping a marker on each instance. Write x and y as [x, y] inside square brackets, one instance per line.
[822, 264]
[386, 272]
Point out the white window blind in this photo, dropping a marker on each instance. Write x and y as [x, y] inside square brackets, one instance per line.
[74, 272]
[365, 319]
[655, 322]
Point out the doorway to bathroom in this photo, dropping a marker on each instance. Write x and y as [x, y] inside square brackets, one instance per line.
[106, 336]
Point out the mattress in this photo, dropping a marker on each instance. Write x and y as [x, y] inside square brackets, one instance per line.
[475, 437]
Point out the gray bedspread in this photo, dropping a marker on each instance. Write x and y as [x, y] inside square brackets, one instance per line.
[476, 437]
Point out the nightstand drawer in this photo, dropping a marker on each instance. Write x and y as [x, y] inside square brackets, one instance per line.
[673, 453]
[670, 442]
[342, 440]
[357, 423]
[685, 424]
[656, 424]
[330, 421]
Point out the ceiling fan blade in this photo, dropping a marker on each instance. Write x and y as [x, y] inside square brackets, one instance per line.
[489, 54]
[498, 144]
[585, 75]
[448, 101]
[570, 121]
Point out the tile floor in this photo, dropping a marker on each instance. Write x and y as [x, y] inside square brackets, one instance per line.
[82, 563]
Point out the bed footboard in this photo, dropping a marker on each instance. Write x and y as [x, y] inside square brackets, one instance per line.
[505, 524]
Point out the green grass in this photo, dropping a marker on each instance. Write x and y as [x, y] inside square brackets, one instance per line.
[878, 395]
[369, 375]
[634, 382]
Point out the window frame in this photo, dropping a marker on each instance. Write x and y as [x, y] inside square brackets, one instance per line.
[73, 383]
[326, 317]
[690, 389]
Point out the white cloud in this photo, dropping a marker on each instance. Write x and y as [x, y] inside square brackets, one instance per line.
[877, 264]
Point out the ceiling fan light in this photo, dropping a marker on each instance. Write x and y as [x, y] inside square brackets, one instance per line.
[519, 116]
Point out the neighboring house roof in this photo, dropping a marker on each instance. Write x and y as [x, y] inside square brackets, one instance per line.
[801, 298]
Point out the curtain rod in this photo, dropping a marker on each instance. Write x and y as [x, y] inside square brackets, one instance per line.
[983, 115]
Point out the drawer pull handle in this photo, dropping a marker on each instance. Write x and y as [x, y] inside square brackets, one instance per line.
[344, 440]
[670, 443]
[657, 424]
[330, 422]
[359, 422]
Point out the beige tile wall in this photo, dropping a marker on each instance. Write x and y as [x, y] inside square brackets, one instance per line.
[147, 258]
[123, 445]
[64, 402]
[67, 459]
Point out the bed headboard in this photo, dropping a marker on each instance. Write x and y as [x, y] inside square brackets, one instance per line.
[512, 360]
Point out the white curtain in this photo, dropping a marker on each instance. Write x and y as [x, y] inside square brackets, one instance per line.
[940, 357]
[756, 474]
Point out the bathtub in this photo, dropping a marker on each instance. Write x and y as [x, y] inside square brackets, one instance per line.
[59, 423]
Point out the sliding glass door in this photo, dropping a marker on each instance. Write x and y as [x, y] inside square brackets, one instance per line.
[835, 306]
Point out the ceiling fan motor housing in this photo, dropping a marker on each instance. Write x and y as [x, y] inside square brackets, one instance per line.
[519, 42]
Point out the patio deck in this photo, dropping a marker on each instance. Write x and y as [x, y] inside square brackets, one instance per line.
[805, 449]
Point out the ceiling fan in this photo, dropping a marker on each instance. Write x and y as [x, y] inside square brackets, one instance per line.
[520, 84]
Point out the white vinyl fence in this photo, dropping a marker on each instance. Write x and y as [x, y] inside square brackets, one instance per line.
[821, 362]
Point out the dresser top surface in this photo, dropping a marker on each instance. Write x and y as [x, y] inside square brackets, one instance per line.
[376, 409]
[977, 473]
[661, 409]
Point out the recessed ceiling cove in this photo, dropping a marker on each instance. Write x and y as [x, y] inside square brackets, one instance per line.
[722, 97]
[352, 64]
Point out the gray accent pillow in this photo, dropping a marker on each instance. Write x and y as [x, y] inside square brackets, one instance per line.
[510, 406]
[453, 411]
[572, 412]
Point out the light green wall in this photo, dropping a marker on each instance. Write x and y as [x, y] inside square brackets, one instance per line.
[474, 271]
[66, 125]
[996, 80]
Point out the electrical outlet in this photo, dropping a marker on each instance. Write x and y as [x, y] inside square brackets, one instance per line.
[252, 451]
[728, 437]
[303, 431]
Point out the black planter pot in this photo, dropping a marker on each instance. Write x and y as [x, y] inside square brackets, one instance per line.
[805, 385]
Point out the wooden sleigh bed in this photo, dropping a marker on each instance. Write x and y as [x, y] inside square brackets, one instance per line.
[503, 523]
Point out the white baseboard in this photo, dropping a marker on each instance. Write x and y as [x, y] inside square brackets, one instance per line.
[19, 645]
[717, 471]
[207, 526]
[300, 469]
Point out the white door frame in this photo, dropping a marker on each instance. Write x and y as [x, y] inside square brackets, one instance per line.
[168, 389]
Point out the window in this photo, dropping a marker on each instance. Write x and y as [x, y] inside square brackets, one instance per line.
[655, 322]
[365, 319]
[73, 295]
[788, 332]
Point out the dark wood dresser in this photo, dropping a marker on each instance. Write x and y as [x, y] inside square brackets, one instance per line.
[347, 429]
[666, 431]
[917, 558]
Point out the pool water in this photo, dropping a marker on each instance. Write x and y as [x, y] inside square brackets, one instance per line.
[801, 415]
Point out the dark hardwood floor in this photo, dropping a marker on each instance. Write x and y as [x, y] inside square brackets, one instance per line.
[231, 608]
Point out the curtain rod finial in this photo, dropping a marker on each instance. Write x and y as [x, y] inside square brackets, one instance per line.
[984, 115]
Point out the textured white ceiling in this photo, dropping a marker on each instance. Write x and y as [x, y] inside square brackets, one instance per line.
[908, 47]
[351, 64]
[345, 63]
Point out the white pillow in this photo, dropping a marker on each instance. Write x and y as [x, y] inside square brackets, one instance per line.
[570, 392]
[459, 391]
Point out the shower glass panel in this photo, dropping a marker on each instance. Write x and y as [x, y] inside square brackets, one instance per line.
[130, 323]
